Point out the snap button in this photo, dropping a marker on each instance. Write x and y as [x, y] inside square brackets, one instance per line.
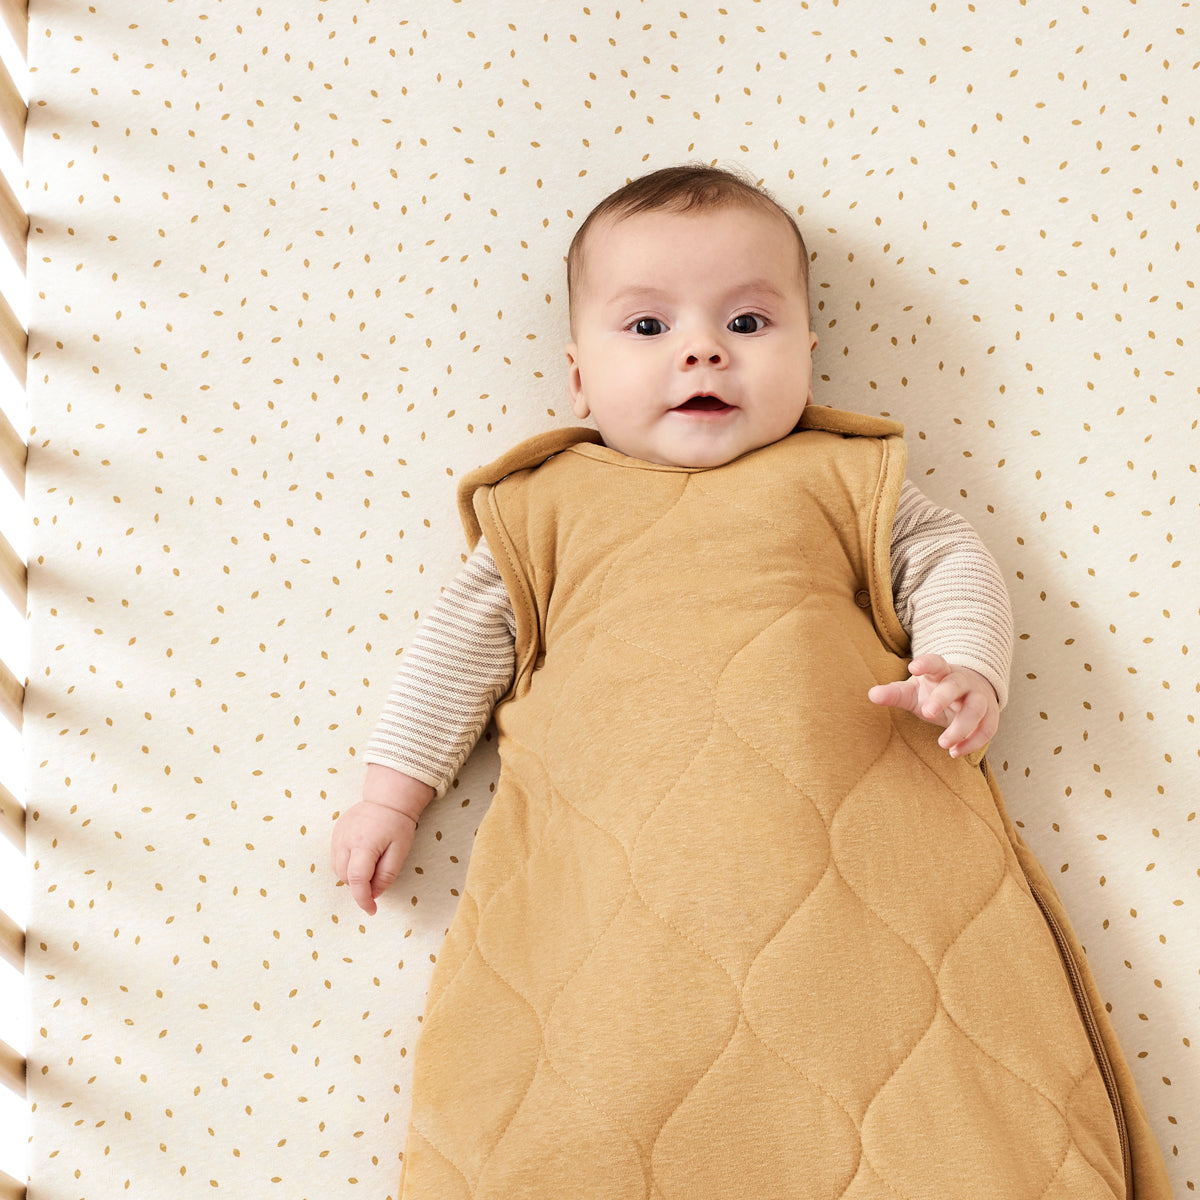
[862, 598]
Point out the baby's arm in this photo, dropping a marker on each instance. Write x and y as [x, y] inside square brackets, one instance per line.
[458, 665]
[951, 599]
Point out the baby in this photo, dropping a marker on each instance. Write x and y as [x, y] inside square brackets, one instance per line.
[731, 926]
[683, 359]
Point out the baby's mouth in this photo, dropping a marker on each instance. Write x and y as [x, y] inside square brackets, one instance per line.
[708, 404]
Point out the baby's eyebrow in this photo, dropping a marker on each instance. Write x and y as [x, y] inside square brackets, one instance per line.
[636, 294]
[756, 287]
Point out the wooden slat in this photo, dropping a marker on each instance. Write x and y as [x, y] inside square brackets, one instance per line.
[15, 14]
[12, 454]
[12, 697]
[14, 227]
[12, 818]
[12, 942]
[10, 1189]
[12, 112]
[14, 222]
[13, 340]
[13, 576]
[12, 1069]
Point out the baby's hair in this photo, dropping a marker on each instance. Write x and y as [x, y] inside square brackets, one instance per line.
[687, 188]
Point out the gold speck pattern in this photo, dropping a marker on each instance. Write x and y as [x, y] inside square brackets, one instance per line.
[294, 267]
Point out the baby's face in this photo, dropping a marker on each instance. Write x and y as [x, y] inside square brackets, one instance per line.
[692, 345]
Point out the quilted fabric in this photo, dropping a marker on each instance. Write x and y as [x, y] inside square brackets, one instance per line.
[730, 930]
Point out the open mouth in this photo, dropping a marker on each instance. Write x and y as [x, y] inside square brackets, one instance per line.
[703, 404]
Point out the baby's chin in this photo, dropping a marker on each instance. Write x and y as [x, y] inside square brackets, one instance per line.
[698, 460]
[698, 435]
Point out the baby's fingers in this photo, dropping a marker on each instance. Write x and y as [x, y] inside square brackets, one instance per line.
[387, 869]
[971, 728]
[944, 701]
[360, 872]
[894, 695]
[932, 668]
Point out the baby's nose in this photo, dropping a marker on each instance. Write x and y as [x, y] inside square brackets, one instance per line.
[704, 348]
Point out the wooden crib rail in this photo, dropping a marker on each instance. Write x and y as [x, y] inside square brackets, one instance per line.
[14, 230]
[14, 223]
[12, 943]
[12, 454]
[12, 108]
[12, 1064]
[10, 1189]
[12, 573]
[12, 696]
[13, 340]
[12, 818]
[15, 15]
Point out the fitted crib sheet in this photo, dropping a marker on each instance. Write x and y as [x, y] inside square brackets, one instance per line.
[295, 268]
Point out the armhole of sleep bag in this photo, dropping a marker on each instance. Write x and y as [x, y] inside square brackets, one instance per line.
[879, 548]
[520, 592]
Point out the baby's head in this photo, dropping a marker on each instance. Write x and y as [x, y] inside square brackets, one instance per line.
[689, 318]
[684, 189]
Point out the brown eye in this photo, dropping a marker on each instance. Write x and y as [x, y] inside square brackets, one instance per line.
[649, 327]
[746, 323]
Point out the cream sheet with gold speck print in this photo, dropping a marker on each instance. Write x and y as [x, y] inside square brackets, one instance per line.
[296, 267]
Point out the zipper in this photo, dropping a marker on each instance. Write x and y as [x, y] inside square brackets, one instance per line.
[1099, 1051]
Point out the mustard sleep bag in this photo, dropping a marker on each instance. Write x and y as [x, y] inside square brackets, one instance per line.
[729, 929]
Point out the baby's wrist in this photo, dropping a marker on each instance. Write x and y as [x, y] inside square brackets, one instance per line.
[985, 684]
[398, 810]
[394, 790]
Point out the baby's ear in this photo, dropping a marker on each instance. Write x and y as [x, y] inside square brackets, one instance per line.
[579, 404]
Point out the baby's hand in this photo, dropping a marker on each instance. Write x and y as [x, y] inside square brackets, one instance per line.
[372, 839]
[957, 698]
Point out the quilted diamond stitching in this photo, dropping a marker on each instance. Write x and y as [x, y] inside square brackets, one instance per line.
[841, 813]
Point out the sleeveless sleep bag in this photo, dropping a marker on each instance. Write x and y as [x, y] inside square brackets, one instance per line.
[730, 930]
